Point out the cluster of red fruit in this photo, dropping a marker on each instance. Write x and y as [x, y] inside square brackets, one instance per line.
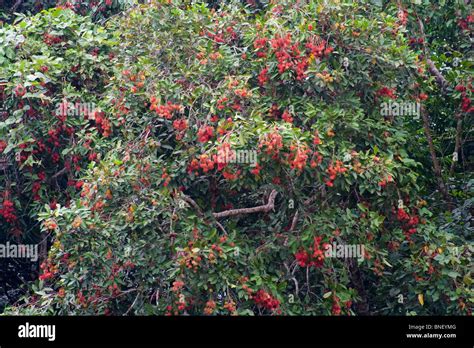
[385, 181]
[413, 41]
[216, 248]
[256, 170]
[181, 307]
[317, 157]
[35, 189]
[114, 290]
[263, 77]
[178, 285]
[225, 154]
[314, 257]
[48, 269]
[7, 211]
[230, 306]
[165, 110]
[3, 145]
[298, 158]
[265, 300]
[84, 7]
[466, 101]
[260, 44]
[231, 176]
[210, 307]
[274, 111]
[205, 133]
[137, 80]
[51, 147]
[243, 93]
[318, 48]
[102, 123]
[336, 307]
[289, 55]
[81, 299]
[333, 171]
[245, 287]
[221, 35]
[94, 296]
[205, 162]
[386, 92]
[286, 116]
[219, 161]
[23, 155]
[166, 177]
[50, 40]
[180, 126]
[465, 24]
[273, 143]
[19, 91]
[54, 134]
[402, 17]
[409, 222]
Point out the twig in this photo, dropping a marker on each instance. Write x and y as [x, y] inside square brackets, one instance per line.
[457, 145]
[294, 222]
[220, 226]
[307, 281]
[292, 277]
[16, 5]
[61, 172]
[133, 304]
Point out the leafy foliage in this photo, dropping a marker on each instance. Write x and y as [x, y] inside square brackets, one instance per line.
[130, 193]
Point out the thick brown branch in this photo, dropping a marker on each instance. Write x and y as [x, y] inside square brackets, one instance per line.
[434, 159]
[440, 80]
[199, 211]
[259, 209]
[193, 204]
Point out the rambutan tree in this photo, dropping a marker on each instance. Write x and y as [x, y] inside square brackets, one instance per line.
[227, 149]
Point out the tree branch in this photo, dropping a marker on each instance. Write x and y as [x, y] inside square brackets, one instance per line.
[442, 82]
[292, 277]
[259, 209]
[198, 209]
[294, 222]
[434, 159]
[193, 204]
[16, 5]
